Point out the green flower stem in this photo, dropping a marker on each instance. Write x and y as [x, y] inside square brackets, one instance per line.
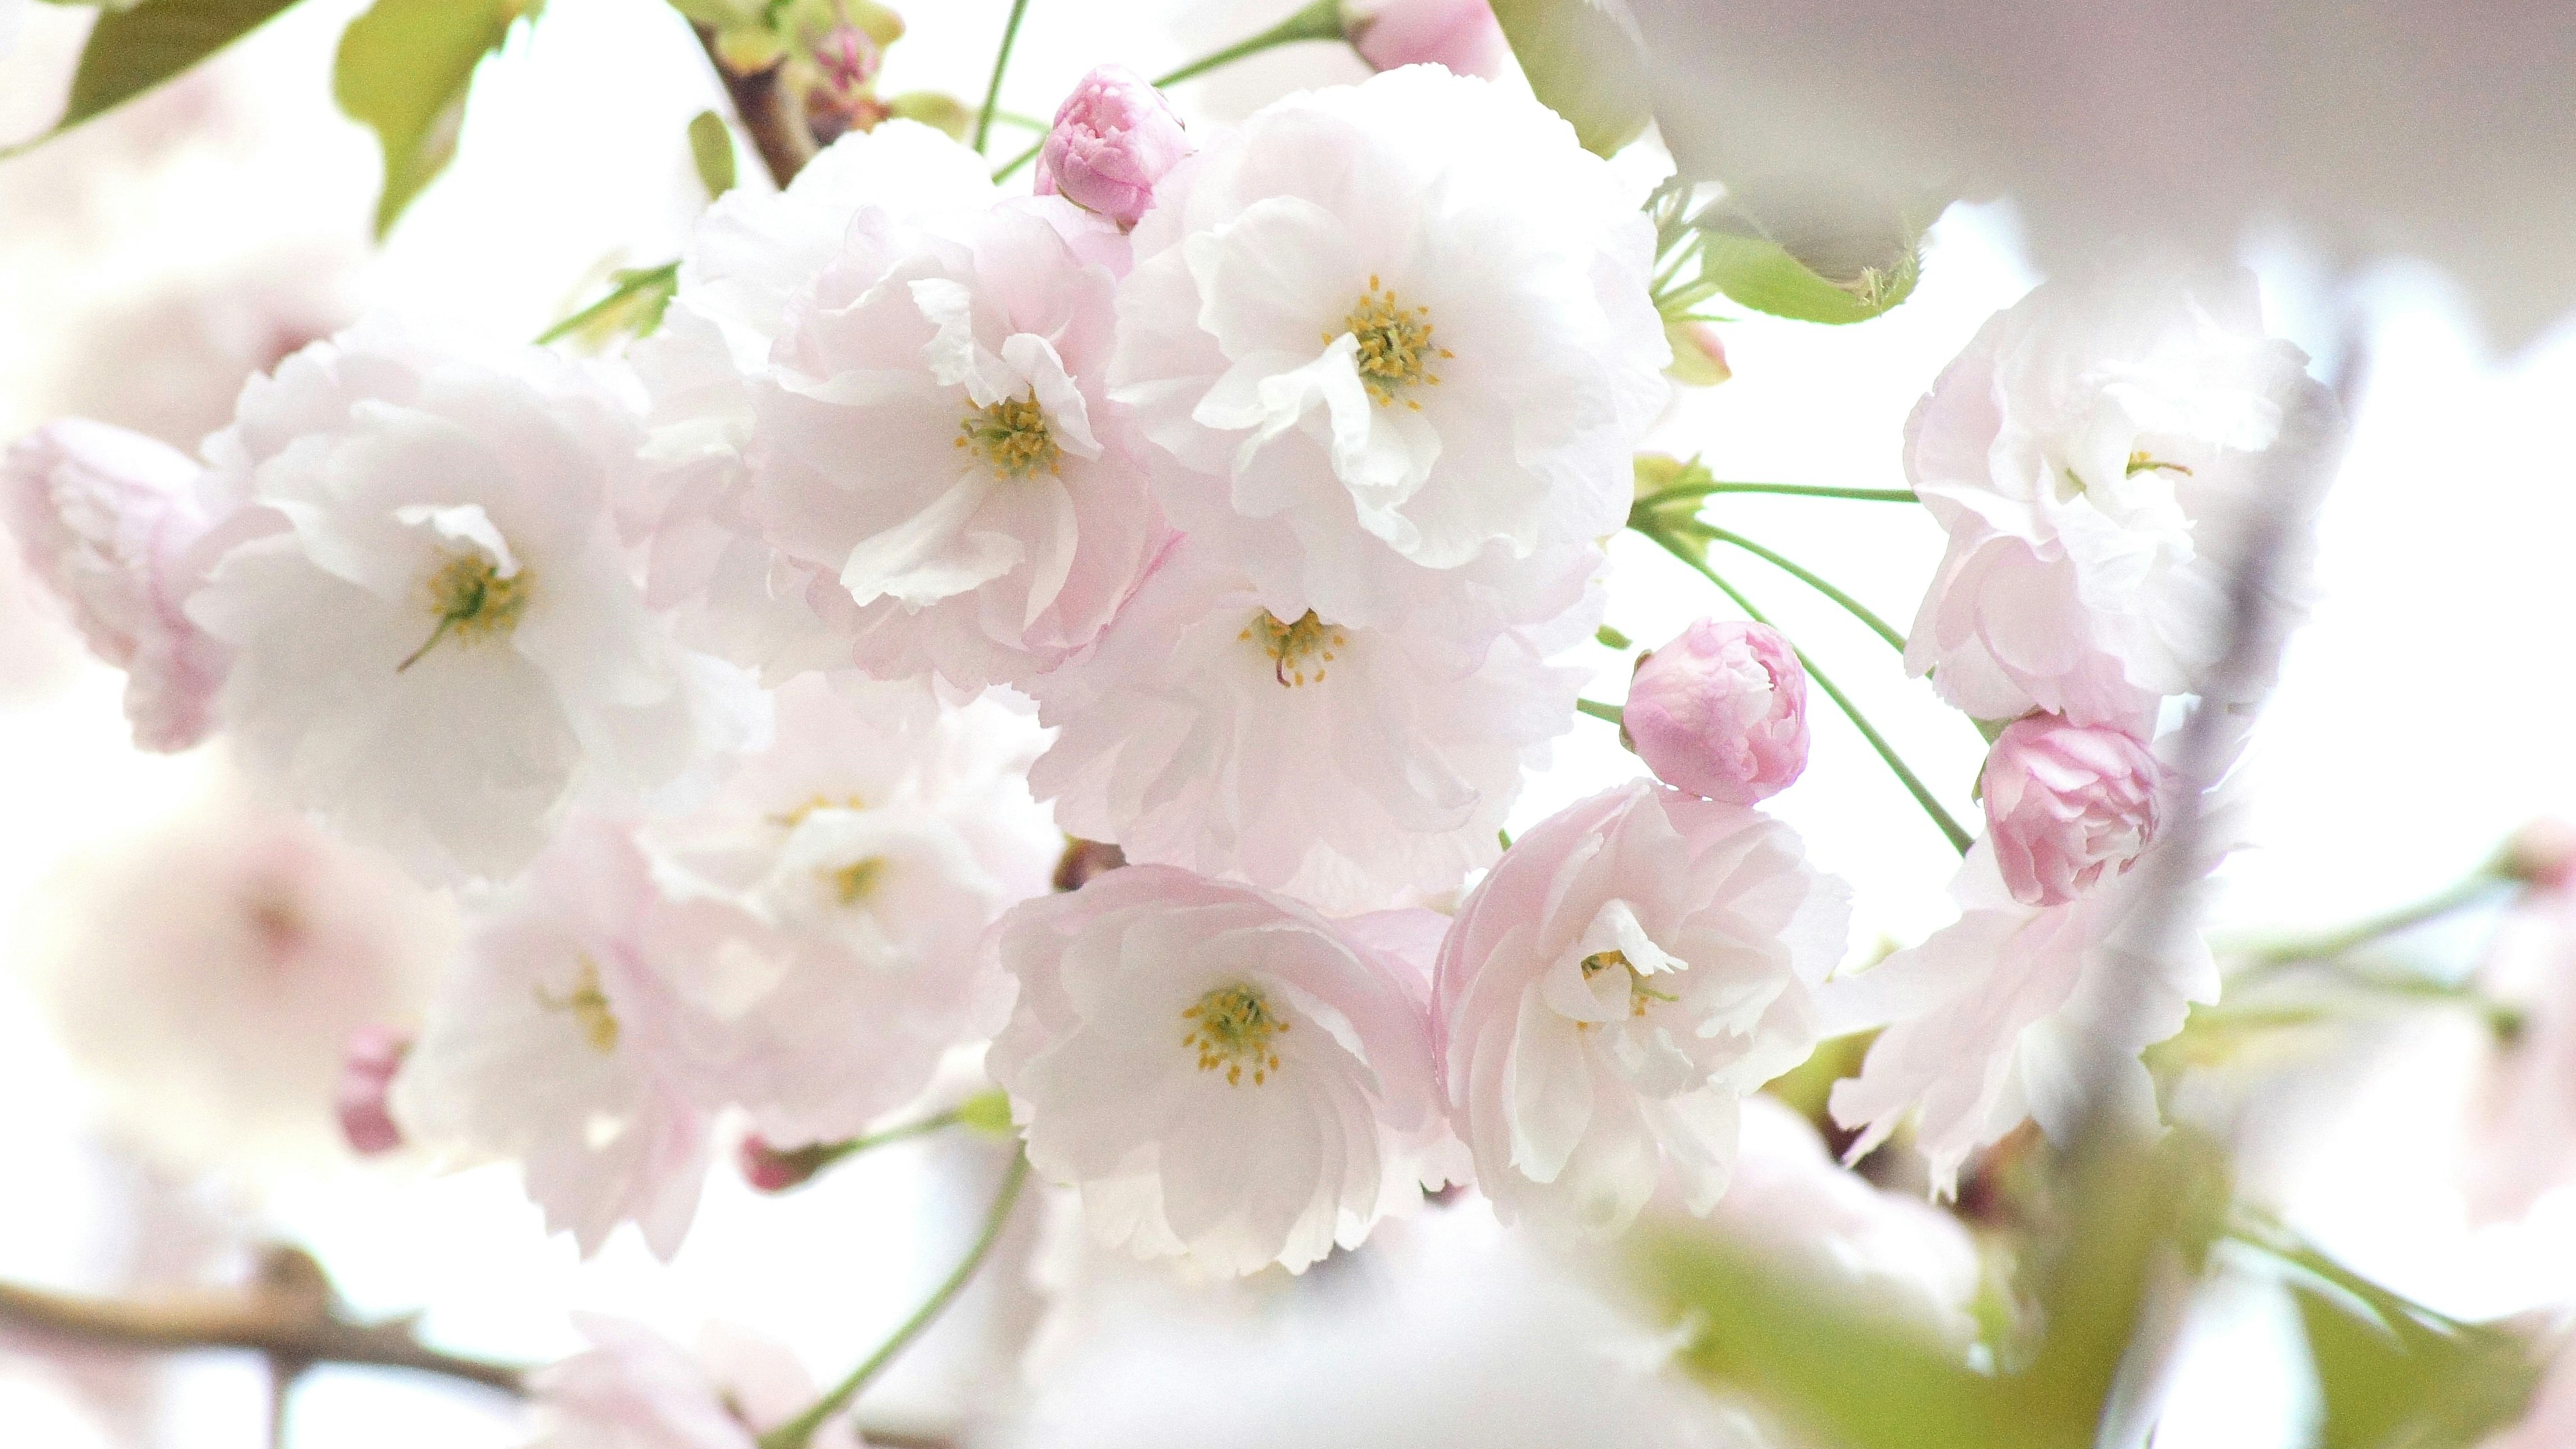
[1319, 21]
[1959, 839]
[1001, 63]
[2265, 959]
[628, 285]
[1858, 611]
[1598, 710]
[796, 1432]
[1684, 492]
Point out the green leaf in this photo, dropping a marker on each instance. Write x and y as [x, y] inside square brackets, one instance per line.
[1585, 63]
[2391, 1380]
[1813, 251]
[1761, 274]
[711, 148]
[931, 108]
[404, 69]
[633, 307]
[131, 51]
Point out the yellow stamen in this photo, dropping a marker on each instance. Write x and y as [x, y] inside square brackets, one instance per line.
[1292, 647]
[855, 880]
[1232, 1027]
[1395, 349]
[589, 1008]
[1640, 995]
[1011, 437]
[472, 601]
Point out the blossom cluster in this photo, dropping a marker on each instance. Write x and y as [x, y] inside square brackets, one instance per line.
[1232, 500]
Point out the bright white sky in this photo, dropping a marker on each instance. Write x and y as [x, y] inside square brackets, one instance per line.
[2422, 713]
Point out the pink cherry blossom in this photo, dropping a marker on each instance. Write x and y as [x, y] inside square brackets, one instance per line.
[634, 1389]
[111, 521]
[935, 436]
[1721, 711]
[2067, 804]
[1636, 965]
[1459, 34]
[1115, 137]
[1226, 1075]
[557, 1046]
[2098, 455]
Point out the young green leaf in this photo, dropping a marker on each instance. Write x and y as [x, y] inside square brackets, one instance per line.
[711, 147]
[1585, 63]
[131, 51]
[405, 68]
[1761, 274]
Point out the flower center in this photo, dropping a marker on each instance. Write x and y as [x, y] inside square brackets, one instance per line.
[1011, 437]
[798, 816]
[473, 601]
[589, 1008]
[1640, 995]
[1231, 1027]
[854, 881]
[1293, 647]
[2141, 462]
[1395, 344]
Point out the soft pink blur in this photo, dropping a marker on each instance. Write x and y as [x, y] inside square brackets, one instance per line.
[375, 1054]
[1115, 138]
[1721, 711]
[1460, 34]
[2067, 804]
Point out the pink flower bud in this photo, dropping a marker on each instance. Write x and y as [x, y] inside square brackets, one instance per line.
[769, 1169]
[2542, 854]
[1459, 34]
[1114, 139]
[2067, 803]
[375, 1054]
[1721, 711]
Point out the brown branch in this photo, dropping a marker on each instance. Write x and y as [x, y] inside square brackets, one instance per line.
[287, 1314]
[768, 114]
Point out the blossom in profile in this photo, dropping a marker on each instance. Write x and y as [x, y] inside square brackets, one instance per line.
[2003, 1016]
[821, 914]
[2100, 456]
[1721, 711]
[2067, 804]
[1224, 1074]
[1222, 729]
[634, 1389]
[438, 642]
[115, 524]
[555, 1045]
[1637, 964]
[207, 975]
[1114, 139]
[1460, 35]
[935, 438]
[1392, 327]
[751, 256]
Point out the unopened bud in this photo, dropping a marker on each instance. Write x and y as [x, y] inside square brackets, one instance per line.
[2542, 853]
[1114, 140]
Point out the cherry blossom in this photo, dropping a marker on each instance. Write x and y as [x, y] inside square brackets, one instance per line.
[1225, 1075]
[1391, 327]
[634, 1389]
[439, 643]
[1636, 965]
[1721, 711]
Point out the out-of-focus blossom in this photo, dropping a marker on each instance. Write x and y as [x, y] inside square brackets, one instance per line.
[2101, 455]
[1721, 711]
[1219, 728]
[2522, 1133]
[933, 439]
[113, 522]
[366, 1076]
[1804, 1213]
[2067, 804]
[438, 642]
[1459, 34]
[2007, 1014]
[822, 912]
[209, 975]
[1449, 1331]
[751, 256]
[1224, 1074]
[1637, 964]
[555, 1045]
[1389, 327]
[634, 1389]
[2542, 853]
[1114, 140]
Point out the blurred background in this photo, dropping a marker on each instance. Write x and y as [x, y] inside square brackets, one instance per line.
[153, 260]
